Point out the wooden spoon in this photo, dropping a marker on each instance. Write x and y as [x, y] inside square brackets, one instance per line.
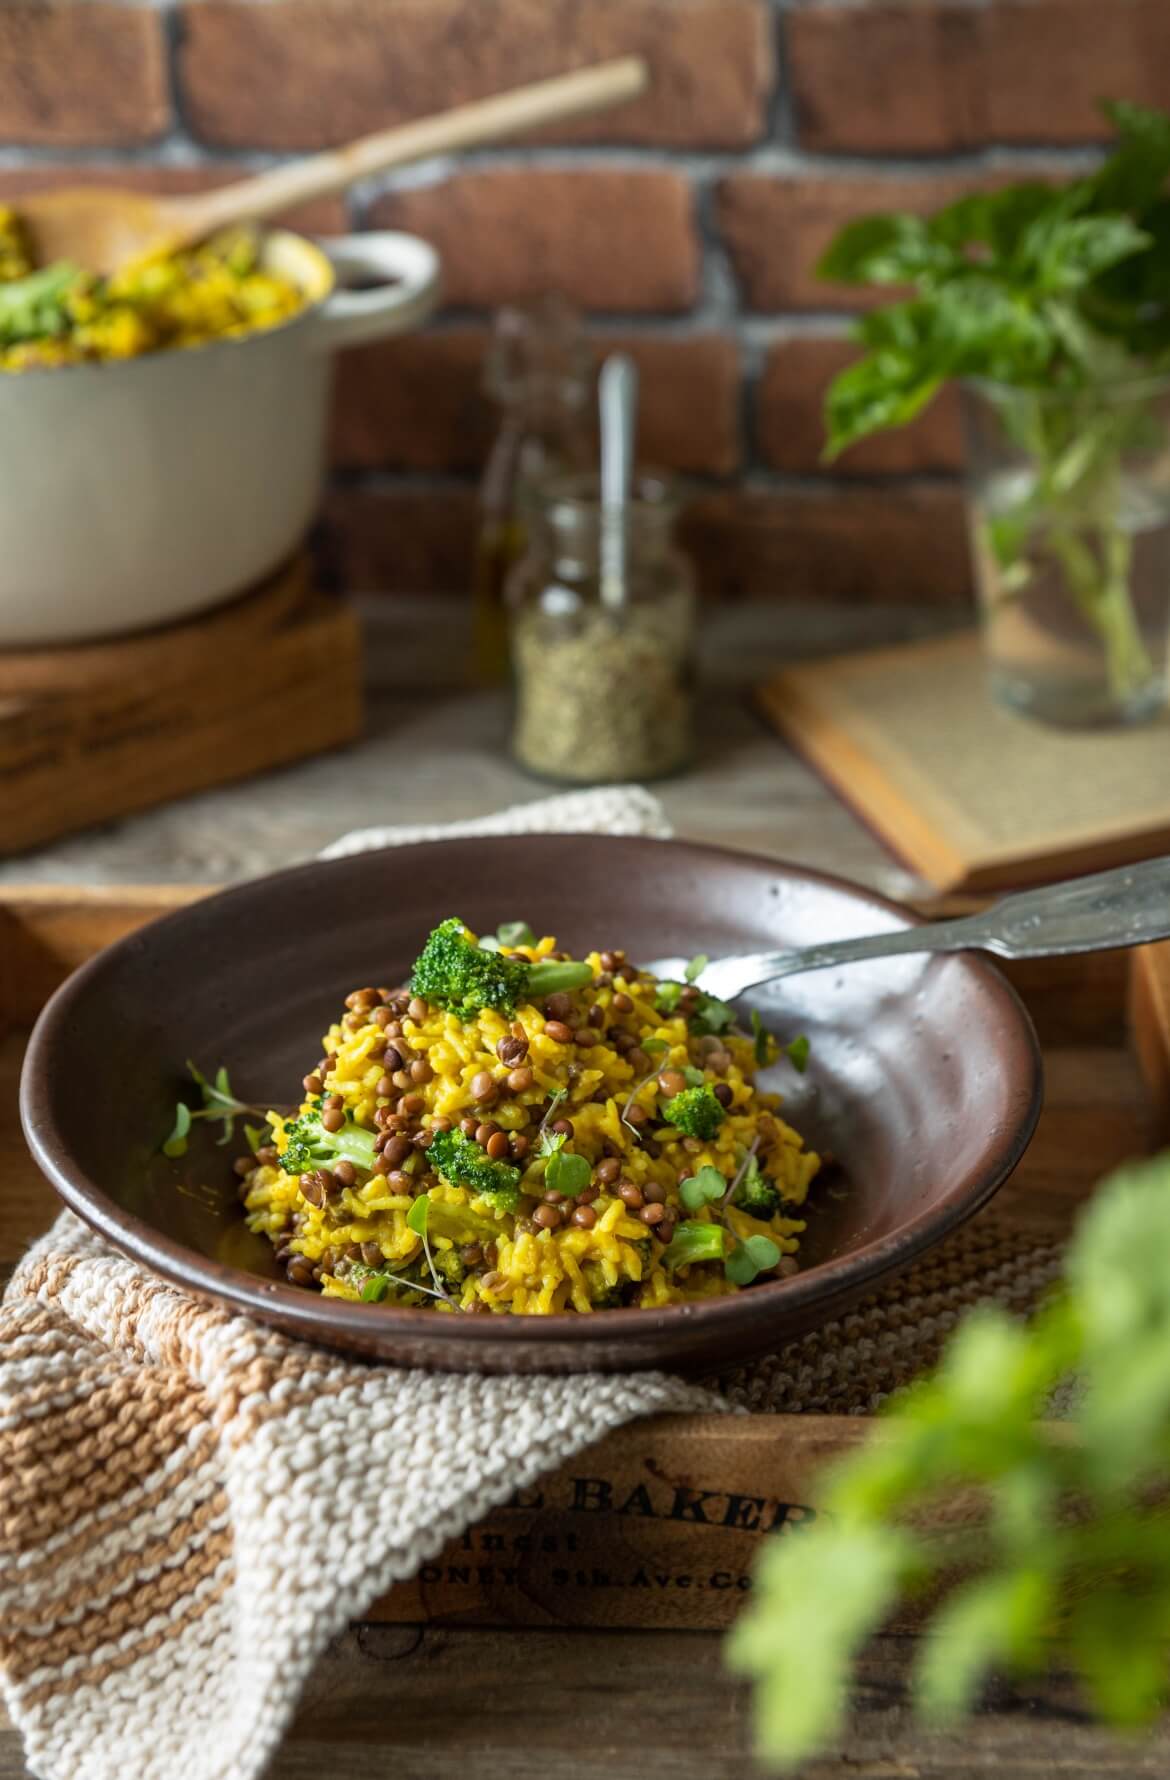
[102, 227]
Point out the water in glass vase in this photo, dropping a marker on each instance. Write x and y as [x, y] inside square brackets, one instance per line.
[1076, 609]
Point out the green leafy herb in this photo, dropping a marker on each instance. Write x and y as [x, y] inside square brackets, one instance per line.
[1070, 1562]
[257, 1136]
[218, 1104]
[798, 1053]
[753, 1256]
[761, 1038]
[696, 967]
[374, 1289]
[1030, 290]
[694, 1241]
[418, 1217]
[705, 1188]
[567, 1173]
[693, 1077]
[176, 1143]
[666, 997]
[711, 1016]
[653, 1046]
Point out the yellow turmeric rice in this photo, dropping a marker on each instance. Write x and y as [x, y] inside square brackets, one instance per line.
[64, 315]
[576, 1105]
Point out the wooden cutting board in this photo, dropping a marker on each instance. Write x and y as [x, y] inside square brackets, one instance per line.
[88, 734]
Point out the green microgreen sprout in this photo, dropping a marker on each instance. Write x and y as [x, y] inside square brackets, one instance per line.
[567, 1173]
[543, 1134]
[515, 933]
[219, 1104]
[696, 967]
[760, 1037]
[418, 1220]
[693, 1077]
[378, 1283]
[708, 1187]
[748, 1259]
[797, 1053]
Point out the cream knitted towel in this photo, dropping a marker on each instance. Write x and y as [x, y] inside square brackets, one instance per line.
[191, 1506]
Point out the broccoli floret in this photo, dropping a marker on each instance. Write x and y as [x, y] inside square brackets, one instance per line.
[463, 1163]
[756, 1193]
[310, 1146]
[454, 974]
[696, 1112]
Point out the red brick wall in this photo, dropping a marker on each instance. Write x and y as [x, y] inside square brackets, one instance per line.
[686, 225]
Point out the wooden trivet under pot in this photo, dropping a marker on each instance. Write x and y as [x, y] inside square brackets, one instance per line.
[96, 732]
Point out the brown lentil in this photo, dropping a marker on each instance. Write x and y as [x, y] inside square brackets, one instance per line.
[588, 1194]
[611, 960]
[243, 1165]
[268, 1155]
[520, 1145]
[608, 1170]
[622, 1041]
[498, 1146]
[585, 1217]
[300, 1271]
[382, 1017]
[520, 1080]
[344, 1173]
[397, 1150]
[585, 1036]
[421, 1071]
[596, 1015]
[564, 1128]
[652, 1213]
[372, 1254]
[512, 1051]
[469, 1126]
[671, 1082]
[486, 1129]
[637, 1116]
[333, 1119]
[493, 1281]
[312, 1084]
[558, 1006]
[411, 1105]
[622, 1003]
[548, 1217]
[401, 1183]
[654, 1193]
[417, 1009]
[558, 1032]
[630, 1195]
[482, 1086]
[724, 1093]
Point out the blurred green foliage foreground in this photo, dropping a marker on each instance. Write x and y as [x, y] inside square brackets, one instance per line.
[1029, 1540]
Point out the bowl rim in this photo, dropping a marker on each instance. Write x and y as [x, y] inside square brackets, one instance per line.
[337, 1321]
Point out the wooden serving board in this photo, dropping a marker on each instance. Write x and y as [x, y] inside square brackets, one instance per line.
[87, 734]
[658, 1525]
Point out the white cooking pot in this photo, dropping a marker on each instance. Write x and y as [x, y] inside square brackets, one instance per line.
[138, 491]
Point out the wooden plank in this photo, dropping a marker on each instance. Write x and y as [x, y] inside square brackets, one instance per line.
[1149, 1009]
[415, 1703]
[68, 762]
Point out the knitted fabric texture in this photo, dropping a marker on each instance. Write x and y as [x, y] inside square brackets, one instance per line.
[163, 1464]
[167, 1468]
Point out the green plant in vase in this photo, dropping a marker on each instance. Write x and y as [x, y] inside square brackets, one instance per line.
[1051, 306]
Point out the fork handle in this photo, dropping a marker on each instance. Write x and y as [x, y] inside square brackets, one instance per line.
[1126, 907]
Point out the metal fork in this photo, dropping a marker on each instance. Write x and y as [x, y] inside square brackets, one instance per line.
[1127, 907]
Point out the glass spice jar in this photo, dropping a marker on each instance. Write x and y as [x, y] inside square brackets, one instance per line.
[540, 371]
[603, 683]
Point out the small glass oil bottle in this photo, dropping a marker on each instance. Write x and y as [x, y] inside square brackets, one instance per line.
[539, 369]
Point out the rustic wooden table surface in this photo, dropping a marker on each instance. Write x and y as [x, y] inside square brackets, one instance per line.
[416, 1703]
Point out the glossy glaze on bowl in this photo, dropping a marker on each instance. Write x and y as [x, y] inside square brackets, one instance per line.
[924, 1079]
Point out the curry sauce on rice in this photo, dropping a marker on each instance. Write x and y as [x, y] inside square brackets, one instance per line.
[520, 1133]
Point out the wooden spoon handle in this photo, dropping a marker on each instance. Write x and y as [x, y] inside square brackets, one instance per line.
[483, 120]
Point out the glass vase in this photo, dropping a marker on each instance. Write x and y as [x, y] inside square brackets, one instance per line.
[1069, 507]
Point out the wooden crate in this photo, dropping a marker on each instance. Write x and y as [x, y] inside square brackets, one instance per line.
[659, 1524]
[92, 733]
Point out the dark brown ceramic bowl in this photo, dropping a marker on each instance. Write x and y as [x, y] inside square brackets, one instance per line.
[924, 1078]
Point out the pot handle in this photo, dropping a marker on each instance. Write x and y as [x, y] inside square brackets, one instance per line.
[407, 289]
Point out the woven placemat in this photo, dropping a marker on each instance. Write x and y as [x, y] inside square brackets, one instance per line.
[893, 1336]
